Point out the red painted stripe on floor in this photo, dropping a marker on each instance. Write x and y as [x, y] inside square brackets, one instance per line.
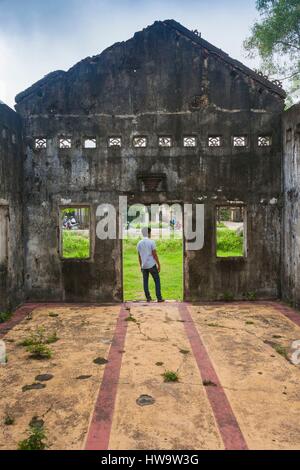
[229, 429]
[288, 312]
[100, 426]
[17, 317]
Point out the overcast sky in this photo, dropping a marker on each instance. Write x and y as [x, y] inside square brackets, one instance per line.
[39, 36]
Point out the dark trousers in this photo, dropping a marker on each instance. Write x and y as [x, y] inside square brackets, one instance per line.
[155, 274]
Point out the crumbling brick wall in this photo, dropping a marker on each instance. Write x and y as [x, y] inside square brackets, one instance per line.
[164, 81]
[11, 210]
[291, 220]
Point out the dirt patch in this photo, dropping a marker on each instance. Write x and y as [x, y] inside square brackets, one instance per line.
[51, 389]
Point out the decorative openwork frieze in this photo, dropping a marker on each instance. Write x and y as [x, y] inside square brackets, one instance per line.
[189, 141]
[115, 142]
[214, 141]
[90, 143]
[264, 141]
[165, 141]
[240, 141]
[140, 142]
[40, 143]
[65, 143]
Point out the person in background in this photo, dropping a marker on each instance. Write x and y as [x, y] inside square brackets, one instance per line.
[149, 264]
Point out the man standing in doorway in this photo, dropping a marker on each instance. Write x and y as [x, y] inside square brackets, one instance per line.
[149, 263]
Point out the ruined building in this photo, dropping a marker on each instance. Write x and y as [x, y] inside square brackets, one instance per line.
[171, 118]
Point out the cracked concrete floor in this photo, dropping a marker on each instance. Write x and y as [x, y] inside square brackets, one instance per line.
[260, 384]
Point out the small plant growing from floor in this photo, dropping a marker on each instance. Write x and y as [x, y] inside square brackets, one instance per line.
[170, 376]
[52, 338]
[39, 351]
[8, 420]
[228, 297]
[251, 296]
[36, 344]
[281, 350]
[5, 316]
[130, 318]
[35, 440]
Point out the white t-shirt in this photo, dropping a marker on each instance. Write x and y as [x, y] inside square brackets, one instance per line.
[145, 248]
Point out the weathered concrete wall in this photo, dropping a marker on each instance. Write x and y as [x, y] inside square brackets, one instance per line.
[11, 180]
[161, 82]
[291, 220]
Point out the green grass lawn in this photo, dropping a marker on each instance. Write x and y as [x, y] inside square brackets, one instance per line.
[171, 259]
[76, 244]
[229, 243]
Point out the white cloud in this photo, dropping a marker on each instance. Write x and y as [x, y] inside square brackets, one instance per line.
[89, 27]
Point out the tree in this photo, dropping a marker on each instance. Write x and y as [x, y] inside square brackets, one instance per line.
[276, 38]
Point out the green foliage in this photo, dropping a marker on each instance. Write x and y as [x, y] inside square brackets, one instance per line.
[228, 296]
[229, 243]
[170, 376]
[36, 439]
[276, 37]
[5, 316]
[8, 420]
[251, 296]
[52, 338]
[39, 351]
[39, 337]
[281, 350]
[224, 213]
[36, 343]
[130, 318]
[76, 245]
[68, 212]
[152, 225]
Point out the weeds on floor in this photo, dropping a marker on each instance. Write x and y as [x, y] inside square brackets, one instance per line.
[5, 316]
[39, 337]
[281, 350]
[130, 318]
[52, 338]
[251, 296]
[36, 344]
[8, 420]
[39, 351]
[170, 376]
[228, 297]
[35, 440]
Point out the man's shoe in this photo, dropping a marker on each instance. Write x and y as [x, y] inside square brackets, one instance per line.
[149, 300]
[161, 300]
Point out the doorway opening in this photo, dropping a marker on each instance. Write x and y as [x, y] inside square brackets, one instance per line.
[166, 223]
